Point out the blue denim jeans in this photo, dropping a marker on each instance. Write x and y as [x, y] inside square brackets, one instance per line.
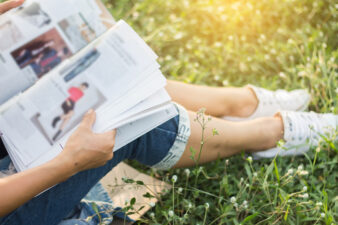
[52, 206]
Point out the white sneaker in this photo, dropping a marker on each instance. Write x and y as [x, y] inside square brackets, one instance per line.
[271, 102]
[301, 132]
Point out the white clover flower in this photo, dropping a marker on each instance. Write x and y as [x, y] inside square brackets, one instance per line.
[303, 173]
[227, 162]
[273, 51]
[180, 190]
[319, 204]
[225, 83]
[235, 204]
[245, 202]
[322, 215]
[255, 174]
[300, 167]
[302, 74]
[318, 149]
[224, 17]
[246, 206]
[218, 44]
[220, 9]
[290, 171]
[305, 188]
[187, 172]
[178, 36]
[249, 5]
[171, 213]
[306, 195]
[233, 199]
[242, 179]
[168, 57]
[152, 204]
[152, 215]
[136, 15]
[282, 75]
[206, 205]
[189, 205]
[247, 185]
[174, 178]
[172, 17]
[249, 159]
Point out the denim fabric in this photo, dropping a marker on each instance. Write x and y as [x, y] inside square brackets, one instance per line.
[52, 206]
[176, 151]
[95, 208]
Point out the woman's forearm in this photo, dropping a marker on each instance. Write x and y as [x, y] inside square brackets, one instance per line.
[84, 150]
[17, 189]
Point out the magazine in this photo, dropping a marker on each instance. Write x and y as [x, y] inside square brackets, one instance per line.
[62, 58]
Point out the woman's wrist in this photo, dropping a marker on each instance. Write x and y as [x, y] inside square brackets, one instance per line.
[65, 165]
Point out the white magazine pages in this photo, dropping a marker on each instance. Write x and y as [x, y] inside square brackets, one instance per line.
[73, 59]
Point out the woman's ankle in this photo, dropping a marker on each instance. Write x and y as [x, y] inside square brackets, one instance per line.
[242, 102]
[270, 133]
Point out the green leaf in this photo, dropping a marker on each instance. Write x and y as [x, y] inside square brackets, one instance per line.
[286, 213]
[276, 171]
[132, 201]
[249, 218]
[139, 182]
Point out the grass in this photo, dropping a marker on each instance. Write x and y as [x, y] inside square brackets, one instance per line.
[270, 43]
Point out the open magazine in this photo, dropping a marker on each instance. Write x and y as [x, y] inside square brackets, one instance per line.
[58, 59]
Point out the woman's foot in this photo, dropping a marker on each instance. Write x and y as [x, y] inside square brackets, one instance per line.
[268, 103]
[301, 132]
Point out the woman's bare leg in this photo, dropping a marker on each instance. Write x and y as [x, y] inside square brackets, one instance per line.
[238, 102]
[233, 138]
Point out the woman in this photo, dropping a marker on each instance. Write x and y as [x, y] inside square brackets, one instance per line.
[87, 157]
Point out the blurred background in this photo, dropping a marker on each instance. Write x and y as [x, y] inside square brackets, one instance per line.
[272, 43]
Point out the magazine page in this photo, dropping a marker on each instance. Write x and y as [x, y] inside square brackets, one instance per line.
[112, 75]
[38, 36]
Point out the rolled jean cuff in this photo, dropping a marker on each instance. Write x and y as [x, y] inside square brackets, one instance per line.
[183, 133]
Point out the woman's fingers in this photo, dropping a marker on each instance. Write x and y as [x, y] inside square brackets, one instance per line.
[89, 119]
[8, 5]
[110, 135]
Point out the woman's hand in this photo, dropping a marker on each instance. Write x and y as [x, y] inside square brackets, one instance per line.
[85, 149]
[11, 4]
